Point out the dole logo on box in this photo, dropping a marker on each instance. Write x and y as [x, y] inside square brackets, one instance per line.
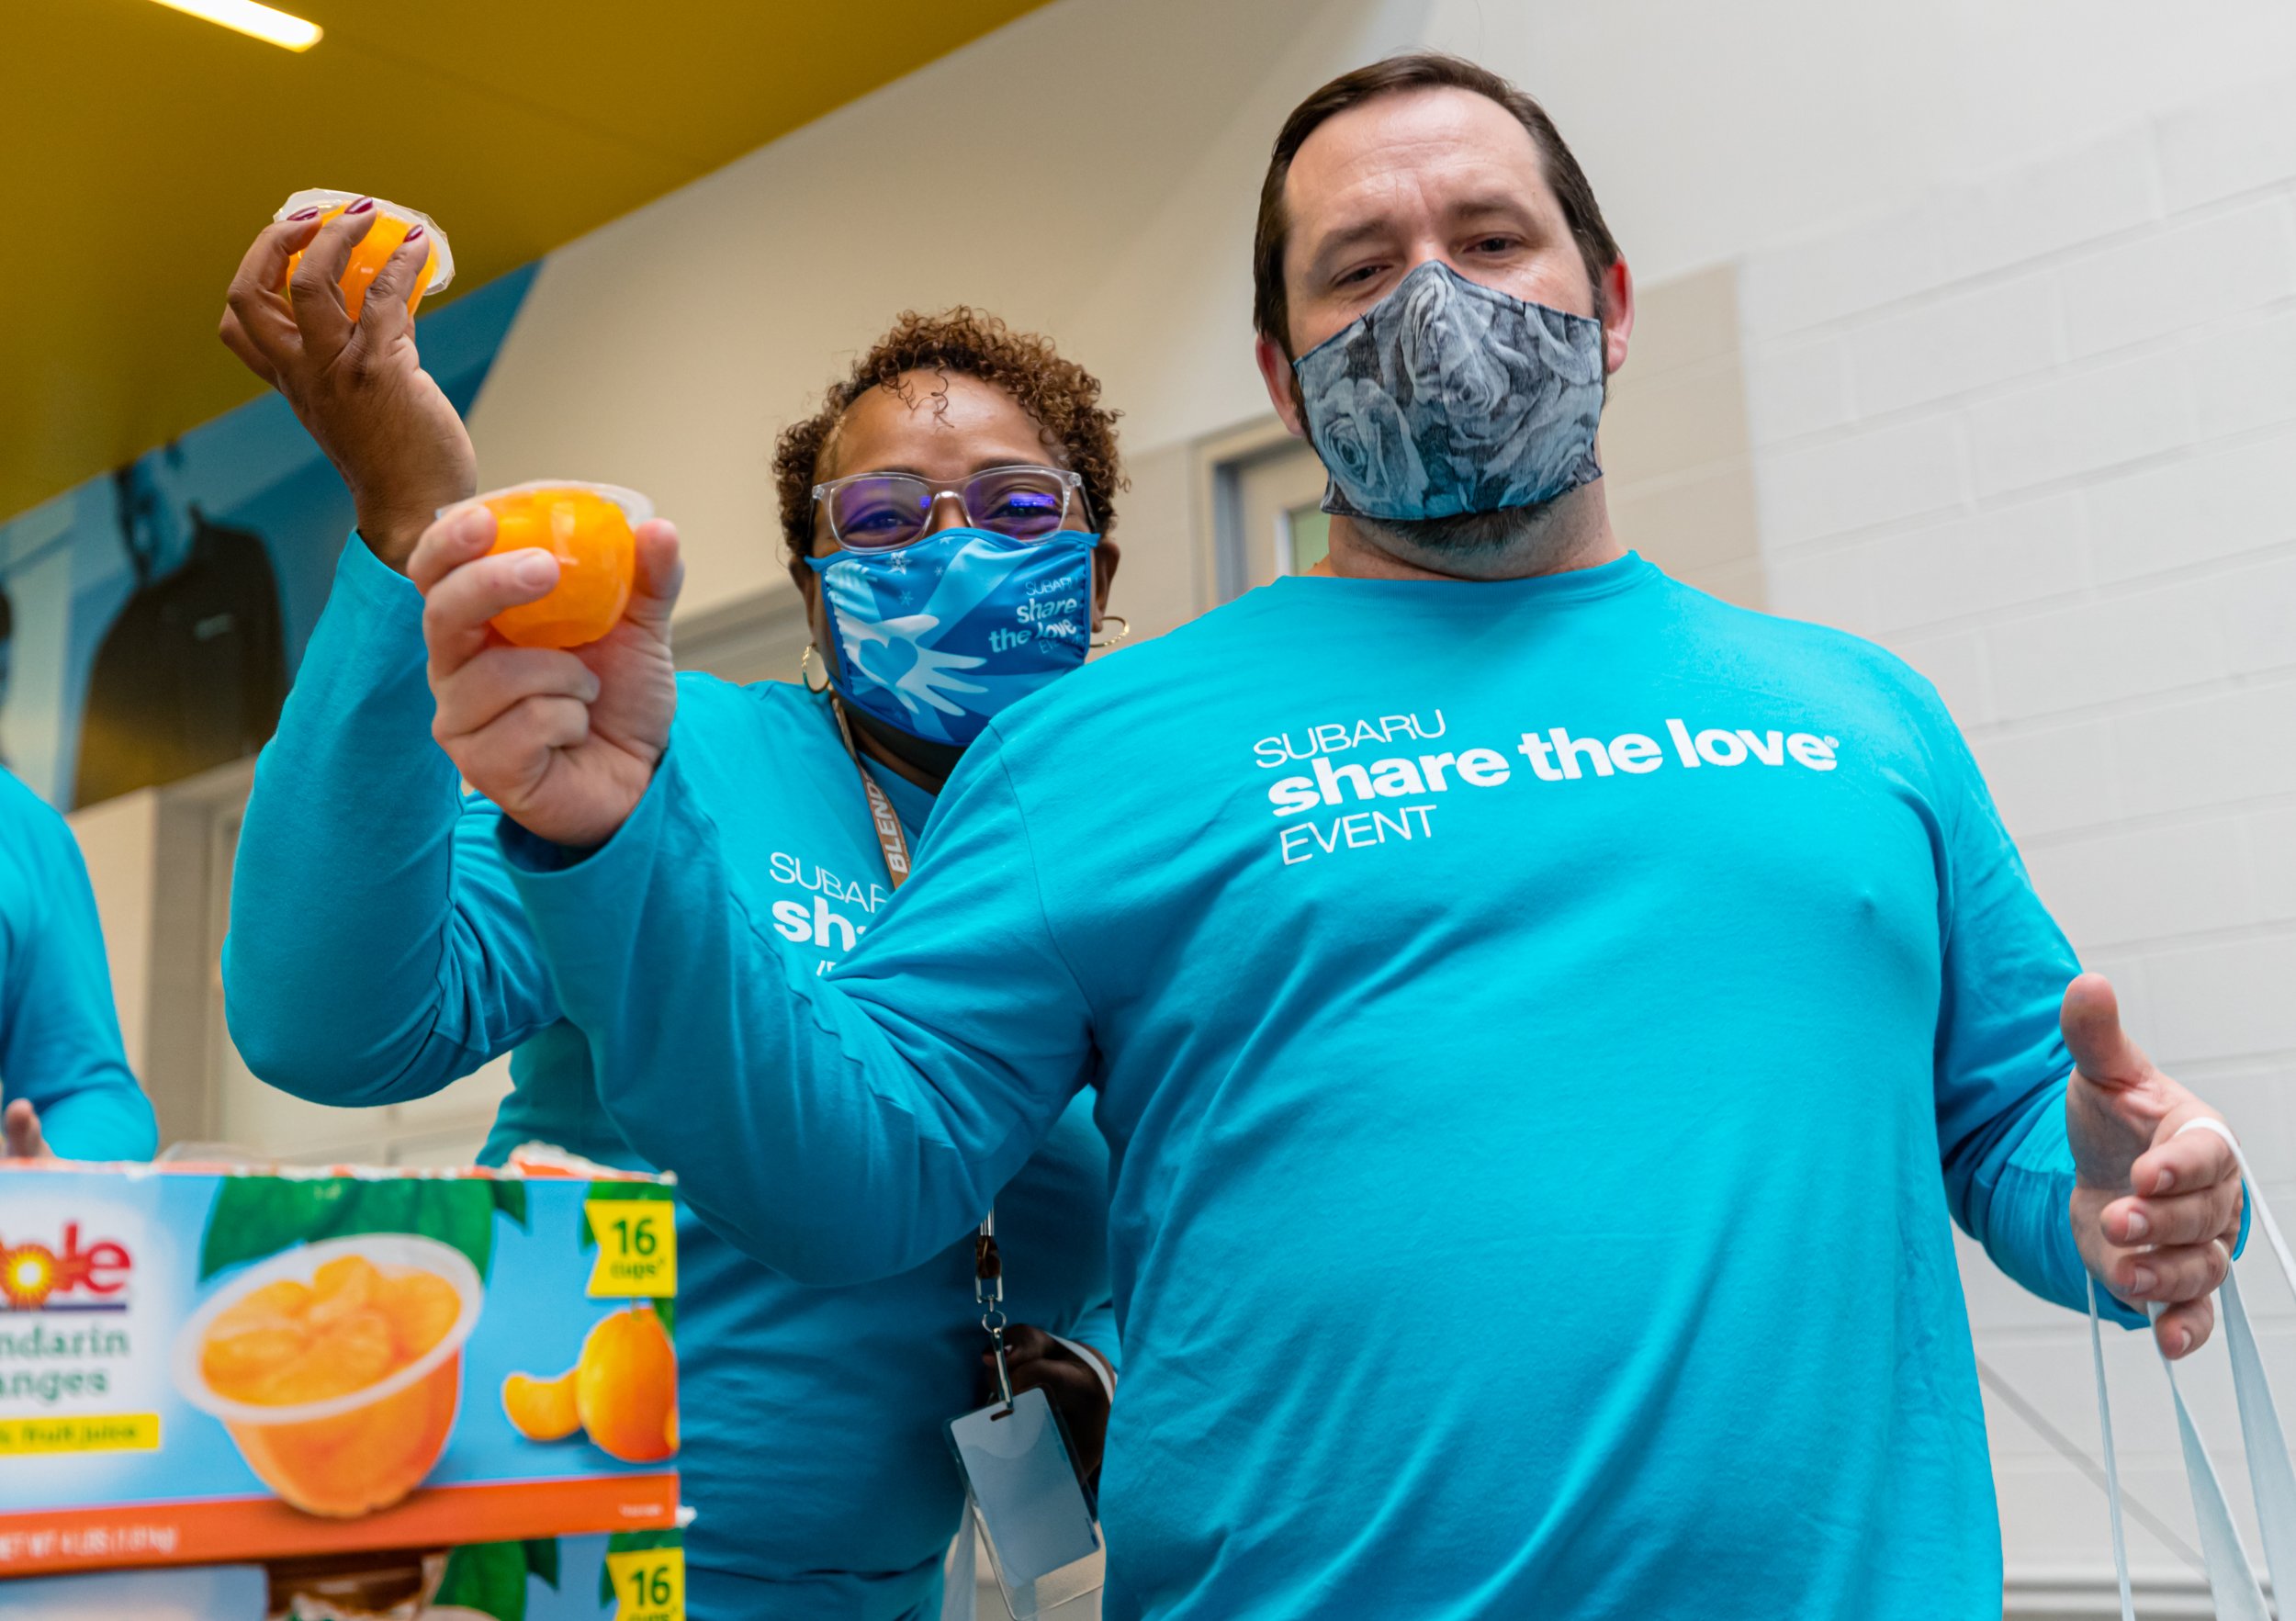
[71, 1276]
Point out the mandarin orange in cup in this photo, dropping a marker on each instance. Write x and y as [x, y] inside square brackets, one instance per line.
[589, 528]
[391, 225]
[337, 1367]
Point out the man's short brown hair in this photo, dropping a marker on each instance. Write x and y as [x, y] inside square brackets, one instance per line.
[1418, 70]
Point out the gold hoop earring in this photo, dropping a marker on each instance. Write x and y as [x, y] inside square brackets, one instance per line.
[1126, 630]
[804, 662]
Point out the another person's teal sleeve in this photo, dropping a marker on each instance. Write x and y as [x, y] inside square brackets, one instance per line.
[60, 1047]
[2001, 1132]
[833, 1130]
[376, 951]
[1097, 1328]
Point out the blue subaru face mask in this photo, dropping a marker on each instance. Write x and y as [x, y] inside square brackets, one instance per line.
[1449, 397]
[937, 637]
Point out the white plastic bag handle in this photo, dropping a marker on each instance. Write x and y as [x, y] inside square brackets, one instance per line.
[2269, 1474]
[2232, 1579]
[2112, 1468]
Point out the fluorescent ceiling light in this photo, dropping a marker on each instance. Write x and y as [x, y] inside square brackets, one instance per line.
[277, 27]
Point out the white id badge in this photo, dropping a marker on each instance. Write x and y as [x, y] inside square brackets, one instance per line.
[1042, 1542]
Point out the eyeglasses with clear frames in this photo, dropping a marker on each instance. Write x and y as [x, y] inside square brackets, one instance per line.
[879, 512]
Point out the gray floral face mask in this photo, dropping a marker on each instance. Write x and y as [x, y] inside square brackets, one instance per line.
[1449, 397]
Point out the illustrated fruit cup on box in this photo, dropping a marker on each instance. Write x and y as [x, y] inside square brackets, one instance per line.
[199, 1364]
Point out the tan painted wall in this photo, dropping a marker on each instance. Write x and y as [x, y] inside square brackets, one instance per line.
[1674, 443]
[119, 840]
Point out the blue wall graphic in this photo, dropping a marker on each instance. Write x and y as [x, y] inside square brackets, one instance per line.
[153, 615]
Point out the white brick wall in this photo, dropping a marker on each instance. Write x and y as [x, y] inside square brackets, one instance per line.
[2038, 434]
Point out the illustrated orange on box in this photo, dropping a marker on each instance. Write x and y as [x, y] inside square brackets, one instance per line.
[623, 1391]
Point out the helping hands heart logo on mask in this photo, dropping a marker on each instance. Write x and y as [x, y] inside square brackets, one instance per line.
[939, 636]
[1449, 397]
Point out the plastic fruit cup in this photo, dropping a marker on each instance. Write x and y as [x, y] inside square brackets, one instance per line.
[590, 529]
[355, 1453]
[391, 225]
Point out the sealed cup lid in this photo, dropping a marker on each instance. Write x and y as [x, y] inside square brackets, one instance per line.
[329, 199]
[635, 507]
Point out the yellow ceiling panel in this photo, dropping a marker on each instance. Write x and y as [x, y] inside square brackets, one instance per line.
[141, 149]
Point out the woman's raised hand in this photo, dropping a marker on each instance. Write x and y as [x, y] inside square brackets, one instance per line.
[565, 742]
[358, 386]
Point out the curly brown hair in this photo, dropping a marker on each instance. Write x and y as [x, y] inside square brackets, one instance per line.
[1062, 397]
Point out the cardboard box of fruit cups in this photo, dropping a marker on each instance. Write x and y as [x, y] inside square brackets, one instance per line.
[392, 223]
[206, 1363]
[590, 529]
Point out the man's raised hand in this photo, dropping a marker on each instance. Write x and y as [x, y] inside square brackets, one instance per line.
[358, 386]
[565, 742]
[2156, 1214]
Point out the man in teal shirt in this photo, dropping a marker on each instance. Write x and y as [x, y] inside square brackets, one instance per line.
[64, 1076]
[1543, 1016]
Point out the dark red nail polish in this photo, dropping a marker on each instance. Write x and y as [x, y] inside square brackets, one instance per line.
[360, 206]
[304, 214]
[415, 235]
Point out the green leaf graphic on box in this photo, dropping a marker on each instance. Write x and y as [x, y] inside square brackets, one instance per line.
[667, 1310]
[621, 1191]
[488, 1577]
[633, 1542]
[542, 1559]
[257, 1216]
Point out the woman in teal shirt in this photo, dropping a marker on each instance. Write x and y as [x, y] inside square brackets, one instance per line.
[377, 950]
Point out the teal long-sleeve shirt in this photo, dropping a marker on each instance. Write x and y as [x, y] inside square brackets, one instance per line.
[378, 951]
[59, 1046]
[1543, 1029]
